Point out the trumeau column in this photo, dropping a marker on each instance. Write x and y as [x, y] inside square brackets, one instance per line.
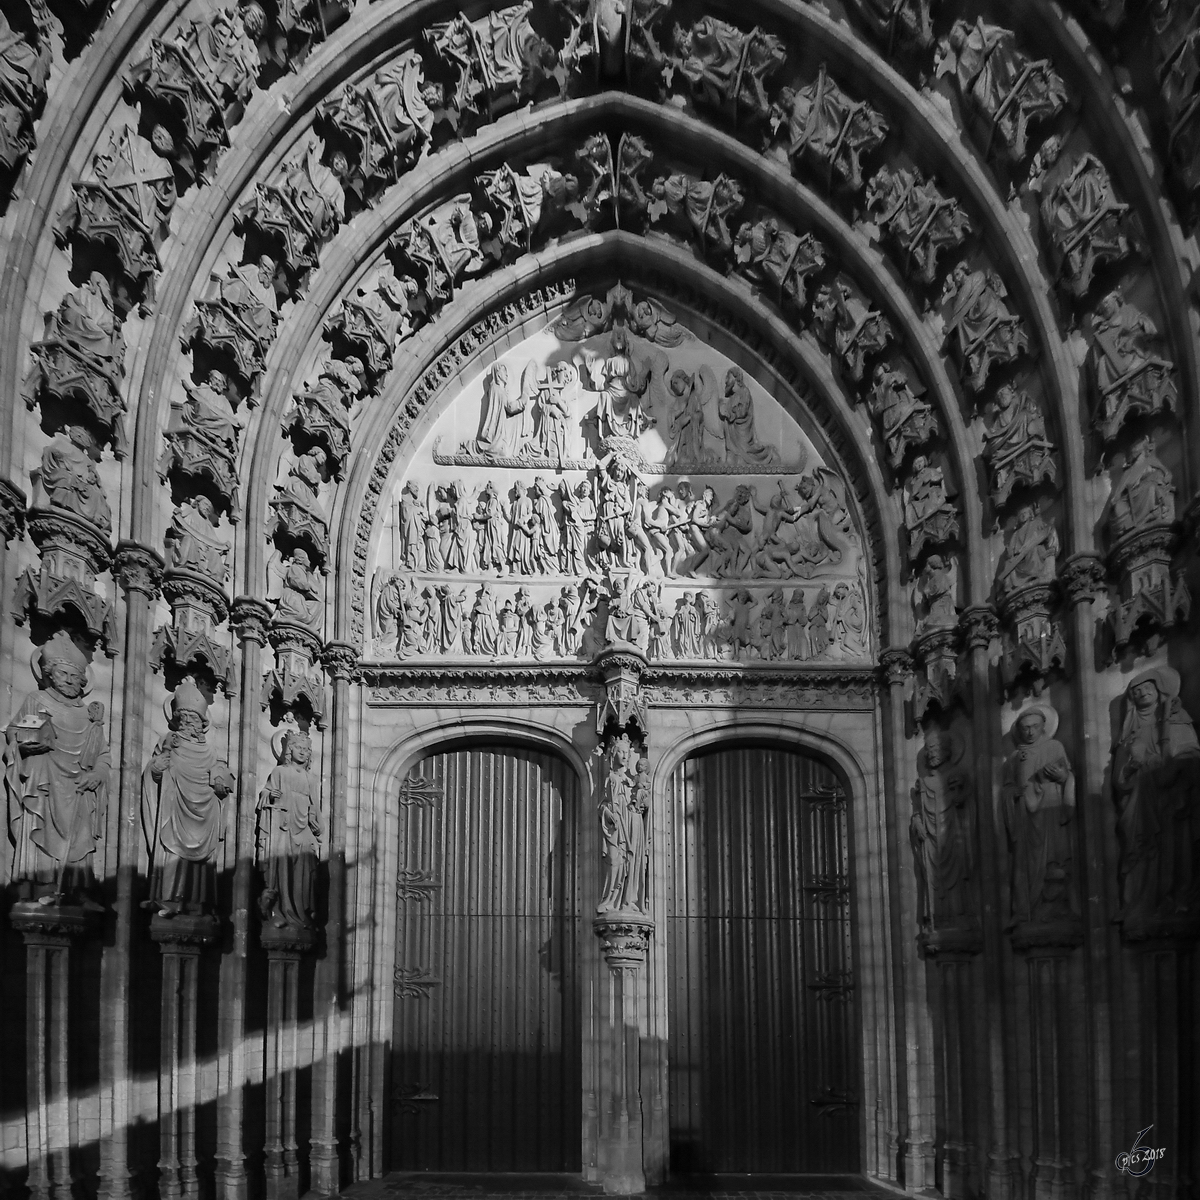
[622, 920]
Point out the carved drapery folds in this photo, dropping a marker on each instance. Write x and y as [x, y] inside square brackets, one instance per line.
[726, 69]
[1179, 88]
[1015, 446]
[371, 324]
[936, 685]
[619, 38]
[695, 209]
[979, 324]
[914, 213]
[929, 514]
[904, 418]
[849, 327]
[201, 444]
[771, 256]
[24, 70]
[440, 250]
[896, 24]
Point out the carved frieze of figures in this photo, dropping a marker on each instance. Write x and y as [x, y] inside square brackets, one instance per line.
[300, 517]
[235, 319]
[57, 775]
[1084, 222]
[726, 68]
[1179, 87]
[440, 249]
[201, 441]
[913, 212]
[123, 204]
[321, 415]
[624, 829]
[184, 787]
[69, 481]
[198, 82]
[849, 326]
[618, 37]
[1001, 85]
[373, 321]
[1154, 774]
[298, 210]
[693, 208]
[896, 23]
[1015, 446]
[940, 832]
[929, 515]
[498, 60]
[518, 202]
[24, 69]
[905, 419]
[985, 333]
[776, 259]
[1038, 798]
[821, 122]
[383, 125]
[1130, 380]
[81, 359]
[287, 835]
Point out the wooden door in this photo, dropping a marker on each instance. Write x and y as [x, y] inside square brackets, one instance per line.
[763, 1065]
[486, 1050]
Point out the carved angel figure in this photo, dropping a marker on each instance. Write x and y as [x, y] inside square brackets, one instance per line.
[1002, 84]
[849, 326]
[441, 248]
[940, 832]
[24, 70]
[624, 805]
[57, 774]
[822, 121]
[1015, 445]
[1130, 379]
[697, 208]
[727, 68]
[904, 419]
[1143, 495]
[917, 217]
[1030, 552]
[287, 834]
[929, 515]
[979, 320]
[774, 257]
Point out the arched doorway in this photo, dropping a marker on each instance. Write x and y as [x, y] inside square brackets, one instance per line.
[763, 1065]
[486, 1037]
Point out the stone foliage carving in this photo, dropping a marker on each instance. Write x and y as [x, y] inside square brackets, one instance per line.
[904, 418]
[1015, 446]
[1005, 88]
[984, 332]
[770, 255]
[57, 775]
[201, 442]
[184, 788]
[197, 84]
[1154, 775]
[69, 480]
[81, 361]
[123, 204]
[1038, 796]
[823, 123]
[287, 835]
[1130, 379]
[726, 69]
[849, 326]
[929, 515]
[24, 69]
[625, 843]
[917, 217]
[896, 23]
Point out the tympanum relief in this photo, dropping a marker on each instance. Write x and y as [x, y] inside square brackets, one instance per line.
[604, 486]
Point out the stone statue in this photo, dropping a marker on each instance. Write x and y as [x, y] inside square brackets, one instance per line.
[124, 204]
[624, 810]
[901, 24]
[726, 68]
[56, 775]
[849, 619]
[1083, 220]
[825, 124]
[193, 543]
[940, 832]
[579, 523]
[685, 627]
[485, 624]
[441, 249]
[735, 408]
[929, 515]
[1004, 86]
[412, 516]
[197, 83]
[1015, 445]
[1177, 74]
[524, 536]
[1143, 495]
[557, 434]
[698, 209]
[322, 411]
[506, 428]
[1037, 788]
[82, 358]
[1130, 380]
[596, 203]
[626, 624]
[287, 834]
[490, 521]
[297, 505]
[985, 331]
[623, 381]
[24, 70]
[1155, 767]
[69, 479]
[618, 35]
[848, 326]
[935, 595]
[917, 217]
[904, 419]
[183, 808]
[300, 592]
[1029, 553]
[373, 321]
[522, 201]
[774, 257]
[237, 316]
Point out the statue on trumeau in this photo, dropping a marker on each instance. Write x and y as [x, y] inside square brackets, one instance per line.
[57, 774]
[624, 812]
[287, 835]
[940, 832]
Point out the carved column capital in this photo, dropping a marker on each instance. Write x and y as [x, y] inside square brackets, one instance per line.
[1084, 577]
[341, 660]
[623, 704]
[896, 665]
[248, 617]
[979, 625]
[138, 569]
[624, 938]
[12, 511]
